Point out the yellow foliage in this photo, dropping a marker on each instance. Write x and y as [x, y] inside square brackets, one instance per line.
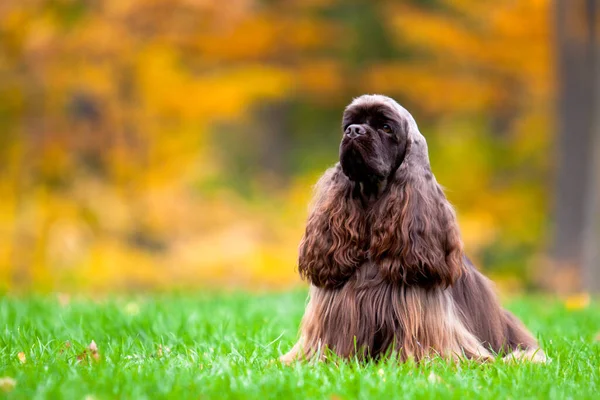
[119, 116]
[577, 301]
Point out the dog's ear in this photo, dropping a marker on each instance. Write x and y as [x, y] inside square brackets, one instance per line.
[333, 243]
[415, 237]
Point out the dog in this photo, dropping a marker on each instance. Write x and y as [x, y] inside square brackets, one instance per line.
[383, 254]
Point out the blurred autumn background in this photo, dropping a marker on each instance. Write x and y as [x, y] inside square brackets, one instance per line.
[159, 144]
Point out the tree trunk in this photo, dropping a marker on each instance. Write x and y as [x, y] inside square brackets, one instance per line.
[575, 35]
[591, 230]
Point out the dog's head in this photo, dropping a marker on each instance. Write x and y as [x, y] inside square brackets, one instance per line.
[375, 136]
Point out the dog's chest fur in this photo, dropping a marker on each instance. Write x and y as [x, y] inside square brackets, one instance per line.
[370, 316]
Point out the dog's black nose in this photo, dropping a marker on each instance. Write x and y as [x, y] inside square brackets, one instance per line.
[355, 130]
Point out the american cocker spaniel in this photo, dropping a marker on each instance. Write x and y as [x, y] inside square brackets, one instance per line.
[383, 254]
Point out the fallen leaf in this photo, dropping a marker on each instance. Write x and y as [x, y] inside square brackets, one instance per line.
[7, 384]
[22, 358]
[577, 301]
[597, 338]
[66, 346]
[90, 351]
[94, 350]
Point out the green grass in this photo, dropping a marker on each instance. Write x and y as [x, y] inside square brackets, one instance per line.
[225, 346]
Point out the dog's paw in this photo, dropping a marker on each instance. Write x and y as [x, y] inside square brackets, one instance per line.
[288, 358]
[530, 355]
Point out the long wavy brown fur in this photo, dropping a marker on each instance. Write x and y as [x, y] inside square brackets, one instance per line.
[414, 234]
[333, 245]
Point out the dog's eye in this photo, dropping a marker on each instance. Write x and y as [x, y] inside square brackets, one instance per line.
[386, 128]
